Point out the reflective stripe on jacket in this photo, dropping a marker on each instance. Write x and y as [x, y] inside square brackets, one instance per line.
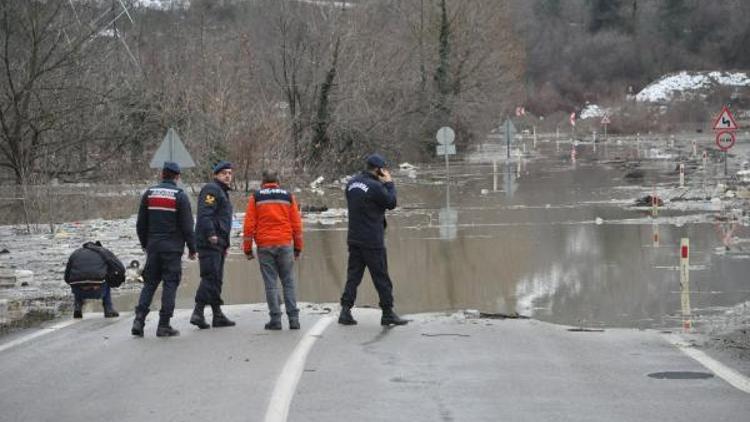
[165, 220]
[272, 218]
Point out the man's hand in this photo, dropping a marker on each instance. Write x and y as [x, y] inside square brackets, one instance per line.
[297, 253]
[214, 240]
[191, 256]
[385, 176]
[249, 256]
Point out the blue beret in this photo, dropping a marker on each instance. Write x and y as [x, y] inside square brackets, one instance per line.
[376, 160]
[221, 165]
[171, 166]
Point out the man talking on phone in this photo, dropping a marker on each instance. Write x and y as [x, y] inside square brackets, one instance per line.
[368, 196]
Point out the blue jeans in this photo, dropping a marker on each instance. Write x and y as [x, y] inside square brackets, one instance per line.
[103, 293]
[278, 262]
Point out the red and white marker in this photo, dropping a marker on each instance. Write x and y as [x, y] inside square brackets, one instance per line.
[687, 323]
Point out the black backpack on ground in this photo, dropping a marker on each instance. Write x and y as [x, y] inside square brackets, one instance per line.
[94, 262]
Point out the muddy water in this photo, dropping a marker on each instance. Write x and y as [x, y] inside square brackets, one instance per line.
[553, 240]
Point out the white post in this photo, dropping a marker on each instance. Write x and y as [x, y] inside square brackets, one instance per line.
[638, 145]
[685, 283]
[494, 175]
[682, 175]
[671, 141]
[518, 166]
[695, 148]
[594, 140]
[534, 144]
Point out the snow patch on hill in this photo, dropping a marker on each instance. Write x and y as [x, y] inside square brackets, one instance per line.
[683, 85]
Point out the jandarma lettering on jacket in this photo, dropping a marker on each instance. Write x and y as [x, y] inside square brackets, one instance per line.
[359, 185]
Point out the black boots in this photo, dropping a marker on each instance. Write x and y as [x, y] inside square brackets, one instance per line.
[109, 312]
[390, 318]
[164, 329]
[345, 317]
[77, 309]
[197, 318]
[221, 320]
[138, 323]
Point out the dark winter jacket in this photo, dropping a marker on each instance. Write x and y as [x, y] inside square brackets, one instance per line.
[85, 266]
[214, 216]
[165, 220]
[367, 199]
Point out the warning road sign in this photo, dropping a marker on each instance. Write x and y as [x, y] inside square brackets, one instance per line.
[725, 121]
[605, 120]
[172, 149]
[725, 139]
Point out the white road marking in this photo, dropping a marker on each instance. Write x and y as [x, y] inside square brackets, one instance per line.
[734, 378]
[39, 333]
[286, 384]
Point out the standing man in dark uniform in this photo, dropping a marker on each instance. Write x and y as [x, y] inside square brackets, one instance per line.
[165, 226]
[368, 196]
[212, 230]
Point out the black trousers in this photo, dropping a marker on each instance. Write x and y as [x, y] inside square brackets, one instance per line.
[212, 277]
[376, 261]
[160, 266]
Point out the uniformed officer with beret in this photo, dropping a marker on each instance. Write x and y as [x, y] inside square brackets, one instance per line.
[164, 226]
[212, 228]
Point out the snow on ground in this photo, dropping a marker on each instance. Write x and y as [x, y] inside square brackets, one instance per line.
[685, 84]
[593, 111]
[162, 4]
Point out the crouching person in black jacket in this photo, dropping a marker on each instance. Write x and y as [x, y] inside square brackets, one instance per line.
[85, 273]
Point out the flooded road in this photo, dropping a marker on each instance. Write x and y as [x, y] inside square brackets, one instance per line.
[549, 239]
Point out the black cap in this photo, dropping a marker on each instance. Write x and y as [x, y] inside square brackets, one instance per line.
[171, 166]
[222, 165]
[376, 160]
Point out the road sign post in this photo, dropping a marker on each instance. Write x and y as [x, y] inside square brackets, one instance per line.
[682, 175]
[509, 131]
[685, 282]
[605, 123]
[172, 149]
[445, 136]
[725, 126]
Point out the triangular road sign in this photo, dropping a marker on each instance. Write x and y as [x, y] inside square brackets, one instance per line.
[725, 121]
[172, 149]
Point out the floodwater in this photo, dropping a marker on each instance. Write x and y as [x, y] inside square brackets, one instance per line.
[550, 239]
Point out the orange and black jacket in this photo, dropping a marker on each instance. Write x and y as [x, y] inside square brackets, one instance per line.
[272, 218]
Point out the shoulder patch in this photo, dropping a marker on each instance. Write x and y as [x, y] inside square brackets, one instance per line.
[209, 200]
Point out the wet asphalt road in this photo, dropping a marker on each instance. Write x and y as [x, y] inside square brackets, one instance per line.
[438, 368]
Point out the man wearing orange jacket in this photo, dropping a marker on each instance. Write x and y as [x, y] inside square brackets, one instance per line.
[273, 220]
